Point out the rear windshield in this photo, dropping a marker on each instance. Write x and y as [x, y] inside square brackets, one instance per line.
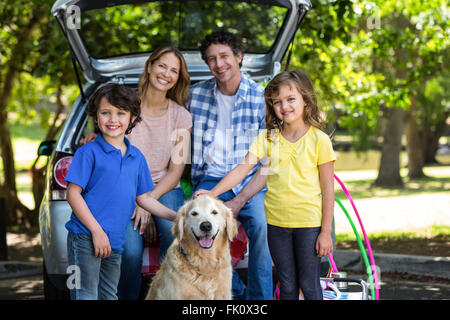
[138, 28]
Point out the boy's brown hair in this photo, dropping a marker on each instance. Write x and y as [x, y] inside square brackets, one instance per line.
[120, 96]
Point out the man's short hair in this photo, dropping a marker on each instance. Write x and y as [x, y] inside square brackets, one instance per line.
[221, 36]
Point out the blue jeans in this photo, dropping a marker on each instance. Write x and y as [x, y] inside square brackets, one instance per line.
[296, 262]
[173, 199]
[253, 219]
[130, 278]
[98, 276]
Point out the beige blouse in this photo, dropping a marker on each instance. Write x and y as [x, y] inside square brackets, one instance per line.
[156, 138]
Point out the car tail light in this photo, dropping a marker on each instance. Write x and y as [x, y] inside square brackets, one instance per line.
[58, 186]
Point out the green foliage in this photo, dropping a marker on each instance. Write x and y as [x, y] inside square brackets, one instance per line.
[363, 54]
[47, 64]
[144, 27]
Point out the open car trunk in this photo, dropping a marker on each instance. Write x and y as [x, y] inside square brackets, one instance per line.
[112, 39]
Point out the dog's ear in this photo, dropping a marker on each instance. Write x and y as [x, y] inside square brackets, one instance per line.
[178, 224]
[231, 227]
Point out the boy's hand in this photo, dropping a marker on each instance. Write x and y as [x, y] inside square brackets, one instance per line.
[324, 244]
[102, 247]
[200, 192]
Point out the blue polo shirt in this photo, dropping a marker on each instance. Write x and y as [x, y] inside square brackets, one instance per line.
[110, 186]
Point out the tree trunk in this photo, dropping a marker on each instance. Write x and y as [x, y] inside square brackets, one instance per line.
[413, 143]
[389, 170]
[430, 139]
[16, 210]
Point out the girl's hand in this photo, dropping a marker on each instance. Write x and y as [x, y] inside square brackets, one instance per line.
[200, 192]
[102, 248]
[324, 244]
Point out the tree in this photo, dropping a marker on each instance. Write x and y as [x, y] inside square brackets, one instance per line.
[412, 47]
[29, 49]
[370, 61]
[434, 100]
[20, 25]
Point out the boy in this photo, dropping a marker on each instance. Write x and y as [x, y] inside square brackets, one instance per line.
[106, 179]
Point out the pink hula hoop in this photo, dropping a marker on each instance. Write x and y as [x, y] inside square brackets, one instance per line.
[366, 239]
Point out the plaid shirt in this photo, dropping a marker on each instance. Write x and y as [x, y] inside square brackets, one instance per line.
[248, 118]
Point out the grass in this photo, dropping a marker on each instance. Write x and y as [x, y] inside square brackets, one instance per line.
[432, 241]
[435, 232]
[25, 140]
[361, 189]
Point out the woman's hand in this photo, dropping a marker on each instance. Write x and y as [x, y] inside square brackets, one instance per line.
[142, 217]
[89, 138]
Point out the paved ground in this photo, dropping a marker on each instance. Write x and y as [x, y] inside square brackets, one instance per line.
[392, 288]
[24, 288]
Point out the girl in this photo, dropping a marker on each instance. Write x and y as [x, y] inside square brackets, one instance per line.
[299, 202]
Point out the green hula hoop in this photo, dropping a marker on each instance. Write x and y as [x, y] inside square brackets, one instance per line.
[361, 247]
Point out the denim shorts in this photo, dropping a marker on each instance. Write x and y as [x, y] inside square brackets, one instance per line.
[92, 278]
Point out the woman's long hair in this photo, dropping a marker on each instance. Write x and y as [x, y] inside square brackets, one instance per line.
[180, 91]
[301, 81]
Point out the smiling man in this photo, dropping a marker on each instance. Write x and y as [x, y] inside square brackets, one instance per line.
[228, 111]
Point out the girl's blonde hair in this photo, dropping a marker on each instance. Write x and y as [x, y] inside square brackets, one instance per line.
[302, 82]
[180, 91]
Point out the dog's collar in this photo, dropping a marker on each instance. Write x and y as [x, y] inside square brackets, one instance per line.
[183, 253]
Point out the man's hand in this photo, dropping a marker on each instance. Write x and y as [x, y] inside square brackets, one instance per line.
[235, 205]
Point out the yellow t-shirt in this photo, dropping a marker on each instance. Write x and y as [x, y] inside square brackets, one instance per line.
[293, 198]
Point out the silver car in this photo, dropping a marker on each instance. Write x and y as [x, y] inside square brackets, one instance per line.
[111, 42]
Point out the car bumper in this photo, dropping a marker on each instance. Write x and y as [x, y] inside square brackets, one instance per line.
[53, 216]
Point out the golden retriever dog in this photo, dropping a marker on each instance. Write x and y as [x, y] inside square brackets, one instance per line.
[197, 265]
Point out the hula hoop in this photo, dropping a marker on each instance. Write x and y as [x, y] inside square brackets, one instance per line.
[332, 263]
[366, 239]
[362, 248]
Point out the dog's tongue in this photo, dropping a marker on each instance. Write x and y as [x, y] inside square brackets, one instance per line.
[206, 242]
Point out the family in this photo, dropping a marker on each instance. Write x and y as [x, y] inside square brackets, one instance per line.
[125, 184]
